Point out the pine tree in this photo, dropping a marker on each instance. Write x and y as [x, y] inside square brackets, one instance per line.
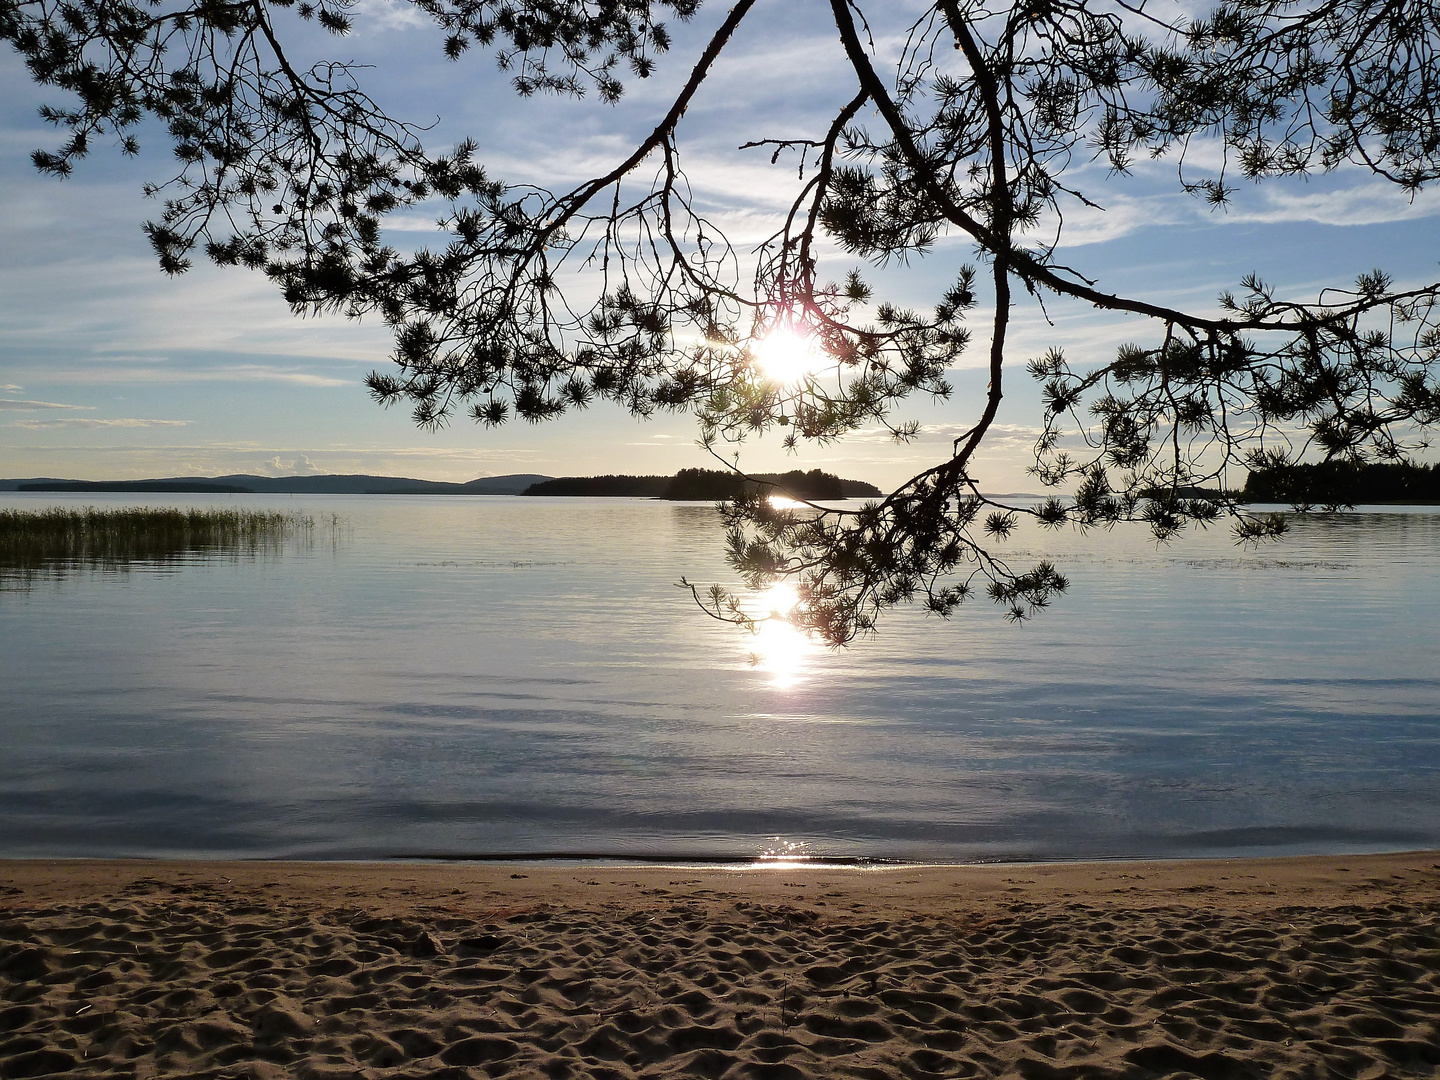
[975, 132]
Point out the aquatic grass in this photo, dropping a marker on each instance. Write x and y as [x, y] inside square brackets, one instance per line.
[55, 540]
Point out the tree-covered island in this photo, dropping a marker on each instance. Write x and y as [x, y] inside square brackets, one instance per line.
[711, 485]
[1343, 483]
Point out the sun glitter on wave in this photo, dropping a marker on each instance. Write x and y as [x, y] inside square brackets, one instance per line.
[785, 854]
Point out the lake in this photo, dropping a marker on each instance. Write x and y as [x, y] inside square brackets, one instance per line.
[477, 677]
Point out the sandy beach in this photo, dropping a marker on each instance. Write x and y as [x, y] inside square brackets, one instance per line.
[1313, 967]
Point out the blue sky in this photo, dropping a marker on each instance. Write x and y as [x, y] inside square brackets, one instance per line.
[109, 370]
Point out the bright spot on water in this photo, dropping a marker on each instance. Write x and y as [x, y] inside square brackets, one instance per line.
[780, 598]
[783, 854]
[778, 647]
[786, 356]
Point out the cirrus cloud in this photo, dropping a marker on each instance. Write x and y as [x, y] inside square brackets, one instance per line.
[12, 405]
[93, 422]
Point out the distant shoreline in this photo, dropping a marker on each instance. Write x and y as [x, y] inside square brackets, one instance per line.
[247, 484]
[687, 484]
[643, 487]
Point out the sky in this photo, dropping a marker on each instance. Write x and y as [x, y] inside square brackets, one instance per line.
[110, 370]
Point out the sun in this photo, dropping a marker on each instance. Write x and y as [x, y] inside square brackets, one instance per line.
[788, 356]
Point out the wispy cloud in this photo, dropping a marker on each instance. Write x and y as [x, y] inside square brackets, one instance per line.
[92, 422]
[10, 388]
[412, 223]
[390, 15]
[1153, 196]
[11, 405]
[1011, 432]
[1369, 203]
[165, 374]
[457, 453]
[997, 433]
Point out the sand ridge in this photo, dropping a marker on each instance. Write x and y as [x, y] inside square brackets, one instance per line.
[1264, 968]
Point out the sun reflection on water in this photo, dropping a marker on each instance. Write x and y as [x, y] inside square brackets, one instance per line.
[778, 647]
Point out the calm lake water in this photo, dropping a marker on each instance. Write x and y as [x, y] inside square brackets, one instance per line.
[508, 676]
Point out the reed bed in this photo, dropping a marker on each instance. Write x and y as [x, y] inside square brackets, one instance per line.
[60, 539]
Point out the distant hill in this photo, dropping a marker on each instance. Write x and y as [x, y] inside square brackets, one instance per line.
[242, 483]
[705, 485]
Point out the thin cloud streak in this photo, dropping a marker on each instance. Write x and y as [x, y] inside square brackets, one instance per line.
[11, 405]
[91, 422]
[1363, 201]
[167, 375]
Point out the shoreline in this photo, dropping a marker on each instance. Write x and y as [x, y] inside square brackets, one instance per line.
[1271, 967]
[701, 861]
[1318, 878]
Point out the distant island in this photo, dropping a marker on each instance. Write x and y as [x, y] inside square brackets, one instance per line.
[244, 484]
[706, 485]
[1344, 483]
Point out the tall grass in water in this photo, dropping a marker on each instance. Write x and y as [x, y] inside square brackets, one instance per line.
[52, 542]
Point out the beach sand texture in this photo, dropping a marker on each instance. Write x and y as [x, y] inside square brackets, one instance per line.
[1308, 968]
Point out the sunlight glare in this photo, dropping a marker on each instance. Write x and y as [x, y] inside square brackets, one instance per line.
[778, 647]
[780, 598]
[787, 357]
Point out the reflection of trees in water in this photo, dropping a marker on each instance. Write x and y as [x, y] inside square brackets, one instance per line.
[54, 543]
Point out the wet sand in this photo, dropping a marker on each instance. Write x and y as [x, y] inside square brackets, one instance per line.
[1316, 967]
